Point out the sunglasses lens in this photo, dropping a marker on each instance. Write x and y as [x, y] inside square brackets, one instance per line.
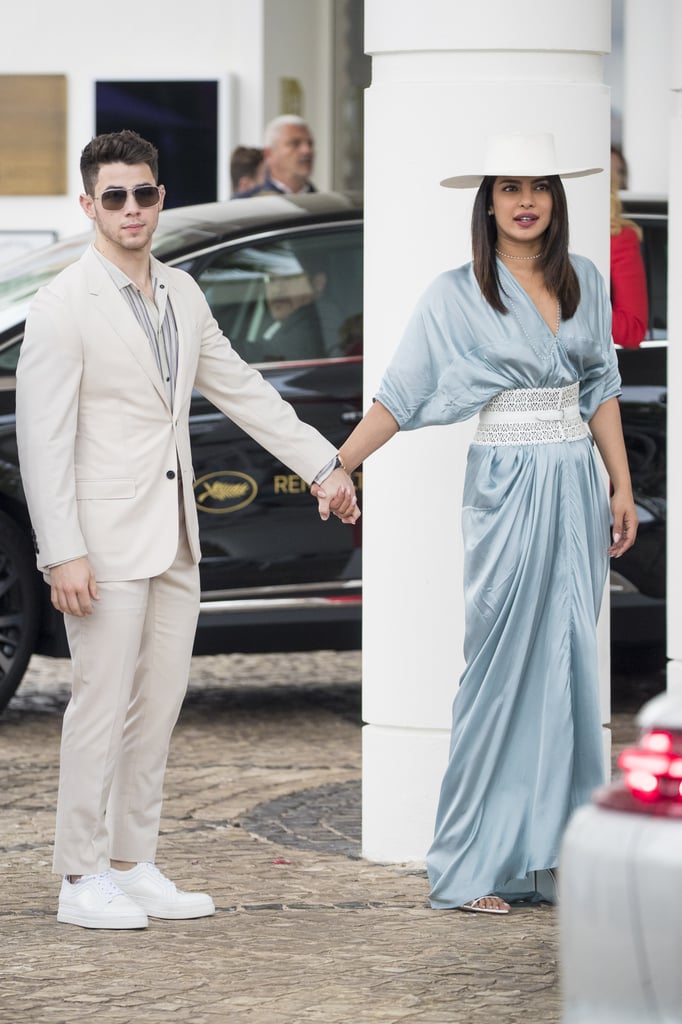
[146, 195]
[114, 198]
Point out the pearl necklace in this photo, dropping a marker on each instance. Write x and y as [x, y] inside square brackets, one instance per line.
[508, 256]
[558, 318]
[555, 332]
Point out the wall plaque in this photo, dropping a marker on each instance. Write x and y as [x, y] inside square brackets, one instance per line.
[33, 135]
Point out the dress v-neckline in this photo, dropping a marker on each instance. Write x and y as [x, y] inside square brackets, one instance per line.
[554, 331]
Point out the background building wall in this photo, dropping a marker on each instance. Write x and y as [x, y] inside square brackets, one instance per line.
[252, 47]
[247, 46]
[648, 104]
[298, 48]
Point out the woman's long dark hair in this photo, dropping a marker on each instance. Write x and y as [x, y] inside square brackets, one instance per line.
[560, 277]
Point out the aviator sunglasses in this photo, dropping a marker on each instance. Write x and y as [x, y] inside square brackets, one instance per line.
[115, 198]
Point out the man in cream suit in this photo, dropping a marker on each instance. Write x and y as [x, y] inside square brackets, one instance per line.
[113, 347]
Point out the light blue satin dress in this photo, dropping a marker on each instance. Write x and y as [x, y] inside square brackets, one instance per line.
[526, 744]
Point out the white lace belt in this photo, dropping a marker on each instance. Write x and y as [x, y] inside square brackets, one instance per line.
[532, 416]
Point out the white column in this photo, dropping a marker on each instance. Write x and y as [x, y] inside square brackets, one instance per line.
[647, 100]
[674, 433]
[445, 74]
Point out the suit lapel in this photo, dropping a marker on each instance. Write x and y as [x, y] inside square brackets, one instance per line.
[120, 318]
[185, 320]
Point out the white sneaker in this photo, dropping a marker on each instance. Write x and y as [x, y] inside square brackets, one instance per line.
[158, 896]
[95, 901]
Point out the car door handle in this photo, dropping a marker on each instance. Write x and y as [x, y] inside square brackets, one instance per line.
[351, 416]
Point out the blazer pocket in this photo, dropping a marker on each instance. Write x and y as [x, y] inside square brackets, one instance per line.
[96, 489]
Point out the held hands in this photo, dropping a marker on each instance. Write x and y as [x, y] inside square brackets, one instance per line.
[73, 587]
[337, 495]
[624, 524]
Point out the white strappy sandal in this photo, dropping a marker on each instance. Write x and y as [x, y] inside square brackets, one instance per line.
[473, 906]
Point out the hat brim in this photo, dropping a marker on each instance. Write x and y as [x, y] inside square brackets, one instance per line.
[474, 180]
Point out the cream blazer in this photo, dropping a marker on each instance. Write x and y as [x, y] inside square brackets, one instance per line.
[99, 445]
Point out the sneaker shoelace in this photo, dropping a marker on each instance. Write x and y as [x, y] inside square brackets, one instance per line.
[159, 875]
[106, 885]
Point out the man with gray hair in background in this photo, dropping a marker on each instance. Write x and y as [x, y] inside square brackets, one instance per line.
[289, 155]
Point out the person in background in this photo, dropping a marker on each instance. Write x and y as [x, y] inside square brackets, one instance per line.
[520, 336]
[329, 312]
[291, 301]
[247, 168]
[351, 336]
[289, 157]
[629, 300]
[619, 167]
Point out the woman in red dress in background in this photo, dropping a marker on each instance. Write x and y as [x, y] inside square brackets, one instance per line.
[628, 281]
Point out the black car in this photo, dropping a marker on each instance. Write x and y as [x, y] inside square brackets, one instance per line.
[273, 576]
[283, 277]
[638, 579]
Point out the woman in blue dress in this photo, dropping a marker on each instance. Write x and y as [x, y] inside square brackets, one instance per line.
[522, 337]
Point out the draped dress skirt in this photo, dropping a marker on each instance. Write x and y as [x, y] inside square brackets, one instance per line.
[526, 745]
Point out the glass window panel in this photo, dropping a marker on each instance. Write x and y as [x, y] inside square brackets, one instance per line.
[298, 298]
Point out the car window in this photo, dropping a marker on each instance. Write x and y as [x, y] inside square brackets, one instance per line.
[651, 214]
[655, 255]
[293, 298]
[20, 279]
[9, 356]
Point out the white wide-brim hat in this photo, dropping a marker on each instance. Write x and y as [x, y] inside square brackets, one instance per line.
[518, 156]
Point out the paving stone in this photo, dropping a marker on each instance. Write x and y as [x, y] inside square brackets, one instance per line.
[262, 808]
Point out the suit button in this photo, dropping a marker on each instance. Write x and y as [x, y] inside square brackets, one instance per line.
[170, 474]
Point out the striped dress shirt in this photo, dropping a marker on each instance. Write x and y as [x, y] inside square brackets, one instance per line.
[157, 320]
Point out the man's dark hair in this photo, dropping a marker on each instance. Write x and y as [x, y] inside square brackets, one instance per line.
[124, 147]
[245, 160]
[560, 277]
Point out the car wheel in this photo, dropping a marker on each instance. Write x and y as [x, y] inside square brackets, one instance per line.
[19, 606]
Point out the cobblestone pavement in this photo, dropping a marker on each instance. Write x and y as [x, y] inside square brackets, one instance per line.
[262, 809]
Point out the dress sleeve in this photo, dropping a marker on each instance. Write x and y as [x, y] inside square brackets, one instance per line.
[601, 380]
[430, 378]
[411, 378]
[628, 290]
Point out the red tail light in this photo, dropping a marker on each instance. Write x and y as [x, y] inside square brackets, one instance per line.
[652, 777]
[653, 770]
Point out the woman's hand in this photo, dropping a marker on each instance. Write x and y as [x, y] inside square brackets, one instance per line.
[336, 494]
[608, 434]
[624, 523]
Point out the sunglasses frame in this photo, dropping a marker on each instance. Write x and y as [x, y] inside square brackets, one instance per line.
[124, 192]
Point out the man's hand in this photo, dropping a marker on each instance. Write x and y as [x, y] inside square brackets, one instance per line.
[337, 495]
[74, 587]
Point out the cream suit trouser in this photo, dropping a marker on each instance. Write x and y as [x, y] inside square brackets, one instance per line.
[131, 661]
